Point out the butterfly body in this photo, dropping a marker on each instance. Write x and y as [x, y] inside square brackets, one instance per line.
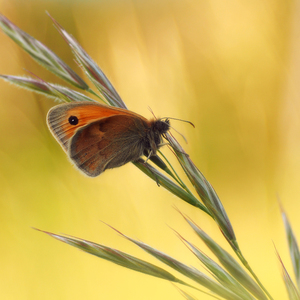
[97, 137]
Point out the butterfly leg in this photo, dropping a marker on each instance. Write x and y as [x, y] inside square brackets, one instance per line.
[149, 155]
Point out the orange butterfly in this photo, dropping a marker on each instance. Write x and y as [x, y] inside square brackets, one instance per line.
[97, 137]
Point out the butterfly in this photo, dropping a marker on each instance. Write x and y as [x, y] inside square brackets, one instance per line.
[97, 137]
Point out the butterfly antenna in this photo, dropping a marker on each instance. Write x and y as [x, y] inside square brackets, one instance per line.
[152, 112]
[167, 118]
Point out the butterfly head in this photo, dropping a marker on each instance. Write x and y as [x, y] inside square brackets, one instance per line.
[160, 126]
[154, 139]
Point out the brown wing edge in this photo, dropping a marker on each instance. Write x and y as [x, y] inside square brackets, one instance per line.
[54, 114]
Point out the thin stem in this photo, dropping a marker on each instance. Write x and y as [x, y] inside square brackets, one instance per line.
[247, 266]
[177, 178]
[97, 95]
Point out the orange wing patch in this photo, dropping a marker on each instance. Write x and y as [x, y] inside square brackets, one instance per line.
[58, 118]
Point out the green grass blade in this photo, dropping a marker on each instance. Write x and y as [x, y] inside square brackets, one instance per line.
[229, 263]
[91, 69]
[205, 191]
[117, 257]
[63, 94]
[174, 175]
[290, 287]
[185, 270]
[41, 54]
[169, 185]
[293, 247]
[212, 202]
[218, 272]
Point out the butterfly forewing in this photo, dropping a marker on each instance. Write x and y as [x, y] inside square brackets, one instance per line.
[58, 118]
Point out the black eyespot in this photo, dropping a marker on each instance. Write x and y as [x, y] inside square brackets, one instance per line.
[73, 120]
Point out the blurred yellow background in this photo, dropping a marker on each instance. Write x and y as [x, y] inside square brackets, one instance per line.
[230, 67]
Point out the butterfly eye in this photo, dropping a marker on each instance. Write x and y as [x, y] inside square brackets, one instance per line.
[73, 120]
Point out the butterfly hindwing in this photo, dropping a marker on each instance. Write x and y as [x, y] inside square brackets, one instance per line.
[107, 143]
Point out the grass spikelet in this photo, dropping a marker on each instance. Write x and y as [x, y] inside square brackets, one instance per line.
[293, 246]
[54, 91]
[290, 287]
[41, 54]
[91, 69]
[115, 256]
[218, 272]
[229, 263]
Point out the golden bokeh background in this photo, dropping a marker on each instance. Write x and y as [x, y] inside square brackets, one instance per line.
[230, 67]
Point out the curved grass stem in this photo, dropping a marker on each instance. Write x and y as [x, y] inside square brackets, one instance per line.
[176, 177]
[247, 266]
